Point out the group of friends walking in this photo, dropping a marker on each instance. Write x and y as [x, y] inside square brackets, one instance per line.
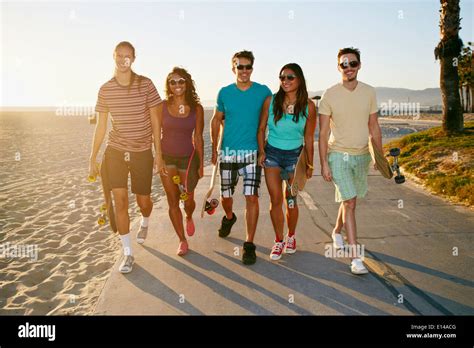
[261, 131]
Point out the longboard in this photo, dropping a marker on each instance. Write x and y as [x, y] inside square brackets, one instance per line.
[107, 190]
[192, 172]
[191, 176]
[379, 159]
[206, 202]
[300, 178]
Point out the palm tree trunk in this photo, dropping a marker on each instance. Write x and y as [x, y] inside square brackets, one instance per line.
[471, 88]
[448, 51]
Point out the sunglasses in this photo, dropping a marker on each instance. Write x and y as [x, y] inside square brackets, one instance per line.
[352, 64]
[246, 67]
[290, 77]
[175, 82]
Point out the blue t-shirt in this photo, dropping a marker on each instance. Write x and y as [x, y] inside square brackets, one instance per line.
[286, 134]
[242, 115]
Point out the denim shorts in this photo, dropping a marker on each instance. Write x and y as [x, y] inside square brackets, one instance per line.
[284, 159]
[181, 163]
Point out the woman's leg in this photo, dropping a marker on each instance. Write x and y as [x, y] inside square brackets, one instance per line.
[273, 180]
[189, 204]
[172, 194]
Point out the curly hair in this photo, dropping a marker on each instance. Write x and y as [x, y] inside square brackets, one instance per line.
[190, 96]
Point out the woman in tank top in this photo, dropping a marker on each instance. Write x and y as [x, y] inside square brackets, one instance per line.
[291, 120]
[181, 120]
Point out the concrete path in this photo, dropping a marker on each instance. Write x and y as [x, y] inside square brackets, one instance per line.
[417, 247]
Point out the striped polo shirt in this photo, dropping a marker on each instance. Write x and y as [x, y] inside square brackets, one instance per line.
[130, 112]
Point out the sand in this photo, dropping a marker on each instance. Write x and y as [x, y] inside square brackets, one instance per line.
[48, 206]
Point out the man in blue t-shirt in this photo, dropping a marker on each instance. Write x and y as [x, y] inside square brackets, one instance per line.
[241, 103]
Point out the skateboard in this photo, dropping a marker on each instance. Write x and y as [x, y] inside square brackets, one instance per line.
[395, 152]
[209, 205]
[191, 177]
[106, 209]
[300, 178]
[290, 198]
[383, 165]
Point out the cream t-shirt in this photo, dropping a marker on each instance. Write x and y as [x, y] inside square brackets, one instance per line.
[349, 122]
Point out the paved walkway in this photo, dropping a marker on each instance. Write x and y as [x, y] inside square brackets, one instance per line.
[409, 237]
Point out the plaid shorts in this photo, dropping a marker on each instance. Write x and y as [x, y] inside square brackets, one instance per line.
[230, 172]
[349, 174]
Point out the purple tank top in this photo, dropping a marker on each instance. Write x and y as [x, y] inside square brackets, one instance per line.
[177, 133]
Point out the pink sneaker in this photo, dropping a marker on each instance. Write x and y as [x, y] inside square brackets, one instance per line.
[290, 245]
[190, 228]
[183, 248]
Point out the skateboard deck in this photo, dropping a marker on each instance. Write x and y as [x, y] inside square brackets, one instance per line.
[192, 172]
[300, 178]
[215, 169]
[109, 203]
[379, 159]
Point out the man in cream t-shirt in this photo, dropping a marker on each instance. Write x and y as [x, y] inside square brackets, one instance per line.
[348, 110]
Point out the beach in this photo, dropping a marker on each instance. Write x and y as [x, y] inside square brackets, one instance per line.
[56, 258]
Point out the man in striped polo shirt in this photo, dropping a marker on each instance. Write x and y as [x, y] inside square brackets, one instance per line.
[132, 101]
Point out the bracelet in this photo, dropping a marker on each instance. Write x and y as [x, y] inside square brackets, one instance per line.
[310, 166]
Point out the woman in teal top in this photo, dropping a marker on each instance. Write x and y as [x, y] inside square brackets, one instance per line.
[291, 120]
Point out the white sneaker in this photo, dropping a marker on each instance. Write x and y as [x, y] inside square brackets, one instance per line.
[141, 234]
[127, 264]
[357, 267]
[337, 240]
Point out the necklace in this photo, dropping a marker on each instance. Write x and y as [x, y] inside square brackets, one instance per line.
[289, 106]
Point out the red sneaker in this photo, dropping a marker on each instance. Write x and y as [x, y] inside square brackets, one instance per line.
[290, 245]
[277, 250]
[183, 248]
[190, 228]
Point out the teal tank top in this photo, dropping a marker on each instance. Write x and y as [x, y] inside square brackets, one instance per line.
[286, 134]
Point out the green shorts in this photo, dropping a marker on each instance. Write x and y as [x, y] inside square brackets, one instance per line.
[349, 174]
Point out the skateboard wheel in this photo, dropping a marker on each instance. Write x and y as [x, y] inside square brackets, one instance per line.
[291, 203]
[183, 196]
[400, 179]
[103, 208]
[214, 203]
[211, 211]
[101, 221]
[91, 178]
[176, 179]
[395, 152]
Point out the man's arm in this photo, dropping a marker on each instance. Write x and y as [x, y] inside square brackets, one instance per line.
[374, 130]
[99, 135]
[155, 117]
[216, 122]
[323, 146]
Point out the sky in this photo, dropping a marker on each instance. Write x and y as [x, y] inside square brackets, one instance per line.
[60, 52]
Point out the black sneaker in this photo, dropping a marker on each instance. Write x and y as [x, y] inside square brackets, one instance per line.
[249, 257]
[226, 225]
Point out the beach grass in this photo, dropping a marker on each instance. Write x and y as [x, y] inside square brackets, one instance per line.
[443, 164]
